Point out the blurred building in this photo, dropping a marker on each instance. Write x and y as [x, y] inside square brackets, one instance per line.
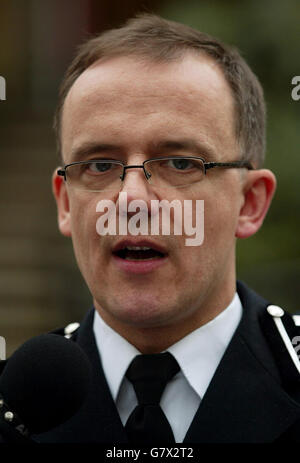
[40, 286]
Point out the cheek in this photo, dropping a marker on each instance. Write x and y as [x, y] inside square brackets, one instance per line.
[202, 263]
[222, 212]
[83, 223]
[220, 222]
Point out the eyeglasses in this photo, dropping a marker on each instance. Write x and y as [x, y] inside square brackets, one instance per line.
[165, 172]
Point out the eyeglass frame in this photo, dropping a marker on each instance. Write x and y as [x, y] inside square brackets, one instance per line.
[206, 165]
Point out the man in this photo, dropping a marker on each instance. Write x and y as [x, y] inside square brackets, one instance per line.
[160, 91]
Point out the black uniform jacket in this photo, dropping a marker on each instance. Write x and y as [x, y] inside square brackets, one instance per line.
[254, 395]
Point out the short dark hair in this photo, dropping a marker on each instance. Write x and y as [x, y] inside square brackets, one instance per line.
[151, 37]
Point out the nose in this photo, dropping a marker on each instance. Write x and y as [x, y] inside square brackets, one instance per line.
[133, 166]
[136, 185]
[136, 180]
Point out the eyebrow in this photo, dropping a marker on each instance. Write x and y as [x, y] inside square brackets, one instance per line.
[161, 147]
[185, 145]
[86, 149]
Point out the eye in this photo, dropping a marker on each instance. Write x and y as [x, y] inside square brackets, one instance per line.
[181, 164]
[99, 167]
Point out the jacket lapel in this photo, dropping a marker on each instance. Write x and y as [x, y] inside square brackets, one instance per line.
[245, 401]
[106, 421]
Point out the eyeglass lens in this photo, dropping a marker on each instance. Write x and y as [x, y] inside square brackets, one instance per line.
[106, 175]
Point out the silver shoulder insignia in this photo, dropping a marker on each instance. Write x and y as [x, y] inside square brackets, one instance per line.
[70, 329]
[277, 312]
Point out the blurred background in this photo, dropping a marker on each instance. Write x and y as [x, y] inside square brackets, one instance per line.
[40, 286]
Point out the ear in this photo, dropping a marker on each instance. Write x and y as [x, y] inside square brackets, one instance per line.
[62, 201]
[259, 188]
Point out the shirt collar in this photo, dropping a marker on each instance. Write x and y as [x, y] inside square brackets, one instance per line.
[198, 354]
[116, 353]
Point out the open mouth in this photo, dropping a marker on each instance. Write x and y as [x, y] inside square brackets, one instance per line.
[138, 253]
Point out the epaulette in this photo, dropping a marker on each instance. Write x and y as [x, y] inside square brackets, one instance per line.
[277, 314]
[68, 331]
[283, 334]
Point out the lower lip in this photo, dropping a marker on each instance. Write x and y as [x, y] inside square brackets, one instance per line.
[139, 267]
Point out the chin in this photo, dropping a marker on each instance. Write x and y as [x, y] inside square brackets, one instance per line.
[141, 316]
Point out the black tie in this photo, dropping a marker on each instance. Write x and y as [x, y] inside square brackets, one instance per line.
[149, 375]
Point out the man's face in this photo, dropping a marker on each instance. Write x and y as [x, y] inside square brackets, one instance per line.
[134, 108]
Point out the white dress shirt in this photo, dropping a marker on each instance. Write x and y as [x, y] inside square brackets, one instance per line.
[198, 355]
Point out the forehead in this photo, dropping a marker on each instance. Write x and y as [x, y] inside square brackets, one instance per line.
[125, 96]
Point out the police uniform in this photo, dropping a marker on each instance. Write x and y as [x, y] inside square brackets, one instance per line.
[254, 396]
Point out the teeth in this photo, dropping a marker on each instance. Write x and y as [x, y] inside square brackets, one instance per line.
[137, 248]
